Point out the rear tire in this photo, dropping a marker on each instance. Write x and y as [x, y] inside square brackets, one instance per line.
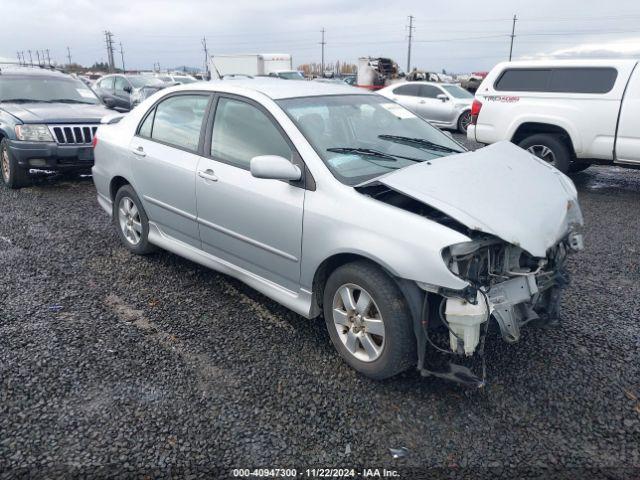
[464, 121]
[550, 149]
[376, 340]
[13, 175]
[131, 221]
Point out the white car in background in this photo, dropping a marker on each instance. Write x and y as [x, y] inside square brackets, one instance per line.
[173, 78]
[445, 105]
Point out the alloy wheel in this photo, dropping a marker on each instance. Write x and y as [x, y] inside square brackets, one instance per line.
[129, 220]
[359, 322]
[465, 121]
[543, 152]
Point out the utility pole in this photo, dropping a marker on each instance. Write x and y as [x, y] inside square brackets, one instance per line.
[109, 40]
[411, 28]
[323, 43]
[124, 70]
[48, 57]
[30, 58]
[38, 54]
[69, 56]
[206, 57]
[513, 35]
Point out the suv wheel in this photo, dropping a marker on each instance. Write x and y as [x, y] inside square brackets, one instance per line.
[464, 121]
[368, 320]
[13, 175]
[131, 221]
[550, 149]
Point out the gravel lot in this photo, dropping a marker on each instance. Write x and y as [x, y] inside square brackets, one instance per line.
[130, 364]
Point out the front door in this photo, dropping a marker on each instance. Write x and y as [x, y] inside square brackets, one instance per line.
[628, 138]
[121, 95]
[255, 224]
[165, 158]
[432, 107]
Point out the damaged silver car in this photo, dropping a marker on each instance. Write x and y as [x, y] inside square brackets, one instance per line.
[339, 202]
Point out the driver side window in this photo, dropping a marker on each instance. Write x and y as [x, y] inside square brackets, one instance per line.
[120, 85]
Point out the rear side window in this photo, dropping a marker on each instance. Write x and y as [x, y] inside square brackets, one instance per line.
[177, 121]
[413, 90]
[242, 131]
[106, 83]
[558, 80]
[429, 91]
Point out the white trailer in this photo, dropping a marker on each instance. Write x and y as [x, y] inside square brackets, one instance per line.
[253, 64]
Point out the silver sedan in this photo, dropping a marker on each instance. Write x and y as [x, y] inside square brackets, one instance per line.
[446, 105]
[335, 201]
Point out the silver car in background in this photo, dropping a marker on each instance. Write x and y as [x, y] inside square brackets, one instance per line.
[333, 200]
[445, 105]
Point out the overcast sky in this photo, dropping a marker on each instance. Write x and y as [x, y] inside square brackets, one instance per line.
[457, 35]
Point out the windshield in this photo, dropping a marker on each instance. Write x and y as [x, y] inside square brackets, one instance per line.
[24, 88]
[291, 75]
[139, 81]
[457, 91]
[360, 137]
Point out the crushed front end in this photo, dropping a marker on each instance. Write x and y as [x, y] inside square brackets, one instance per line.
[506, 284]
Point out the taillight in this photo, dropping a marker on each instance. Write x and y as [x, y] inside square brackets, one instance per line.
[94, 142]
[476, 106]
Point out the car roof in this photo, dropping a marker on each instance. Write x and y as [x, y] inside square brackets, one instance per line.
[31, 72]
[611, 62]
[275, 88]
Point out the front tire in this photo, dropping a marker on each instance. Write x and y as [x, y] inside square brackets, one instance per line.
[13, 175]
[550, 149]
[369, 320]
[131, 221]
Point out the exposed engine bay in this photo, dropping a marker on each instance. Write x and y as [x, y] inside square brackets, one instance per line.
[506, 283]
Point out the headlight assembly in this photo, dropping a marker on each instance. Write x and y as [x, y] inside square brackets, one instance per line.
[33, 133]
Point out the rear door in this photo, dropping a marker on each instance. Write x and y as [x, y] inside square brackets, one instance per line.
[165, 157]
[104, 88]
[253, 223]
[407, 95]
[628, 138]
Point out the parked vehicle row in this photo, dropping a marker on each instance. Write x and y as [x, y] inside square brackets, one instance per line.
[334, 200]
[569, 113]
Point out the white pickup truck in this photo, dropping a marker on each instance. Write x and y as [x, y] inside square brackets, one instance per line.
[571, 113]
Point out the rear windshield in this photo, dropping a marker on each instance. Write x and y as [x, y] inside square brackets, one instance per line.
[558, 80]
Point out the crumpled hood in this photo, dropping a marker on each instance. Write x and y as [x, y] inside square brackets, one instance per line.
[56, 112]
[501, 190]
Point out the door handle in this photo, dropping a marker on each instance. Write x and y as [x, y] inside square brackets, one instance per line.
[208, 174]
[139, 151]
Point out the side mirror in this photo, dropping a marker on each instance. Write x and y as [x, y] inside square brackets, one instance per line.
[127, 88]
[443, 97]
[275, 168]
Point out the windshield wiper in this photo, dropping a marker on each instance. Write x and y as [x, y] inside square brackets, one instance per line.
[420, 143]
[69, 100]
[372, 153]
[21, 100]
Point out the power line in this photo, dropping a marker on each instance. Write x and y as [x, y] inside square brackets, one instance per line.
[513, 35]
[206, 56]
[411, 28]
[109, 41]
[124, 70]
[323, 43]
